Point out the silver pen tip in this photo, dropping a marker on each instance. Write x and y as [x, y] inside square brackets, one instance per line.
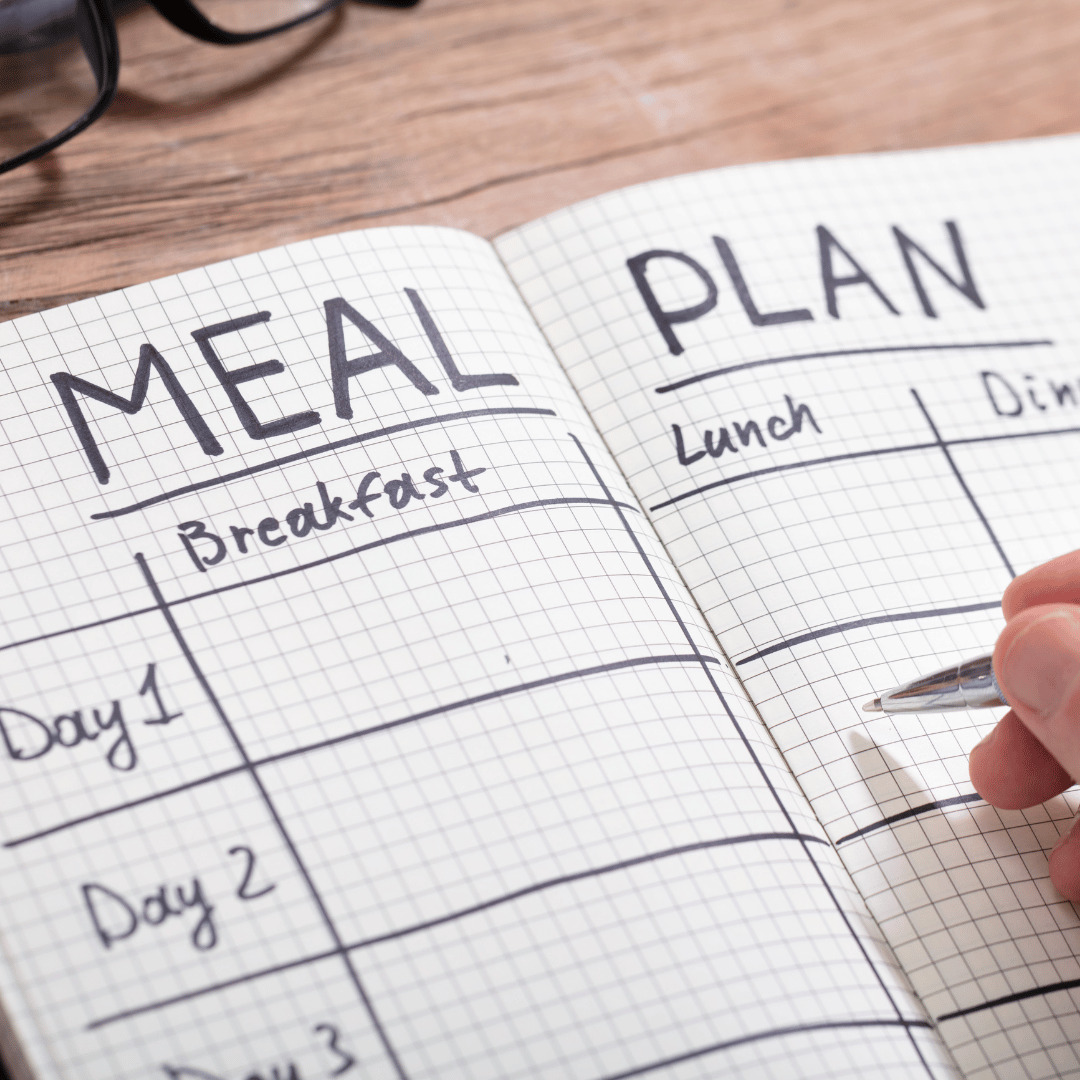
[873, 706]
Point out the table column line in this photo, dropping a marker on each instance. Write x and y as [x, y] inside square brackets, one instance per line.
[755, 759]
[251, 770]
[963, 483]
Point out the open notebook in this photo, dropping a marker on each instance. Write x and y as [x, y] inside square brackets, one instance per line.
[427, 659]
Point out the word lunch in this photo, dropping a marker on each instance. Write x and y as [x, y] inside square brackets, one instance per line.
[717, 441]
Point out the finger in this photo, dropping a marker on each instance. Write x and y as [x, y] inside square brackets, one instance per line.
[1065, 864]
[1037, 664]
[1011, 769]
[1055, 582]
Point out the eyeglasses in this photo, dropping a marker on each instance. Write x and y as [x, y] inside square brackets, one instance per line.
[60, 59]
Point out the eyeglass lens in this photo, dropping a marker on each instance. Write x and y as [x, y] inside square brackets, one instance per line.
[246, 16]
[46, 79]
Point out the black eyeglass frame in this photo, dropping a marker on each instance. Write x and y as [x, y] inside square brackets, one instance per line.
[96, 29]
[97, 36]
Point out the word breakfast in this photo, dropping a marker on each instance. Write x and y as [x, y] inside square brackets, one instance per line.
[305, 519]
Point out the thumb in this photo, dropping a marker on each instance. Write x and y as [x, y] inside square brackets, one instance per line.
[1037, 664]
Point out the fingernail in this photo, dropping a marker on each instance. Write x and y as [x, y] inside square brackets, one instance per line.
[1042, 662]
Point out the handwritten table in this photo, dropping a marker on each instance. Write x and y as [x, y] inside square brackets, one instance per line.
[483, 115]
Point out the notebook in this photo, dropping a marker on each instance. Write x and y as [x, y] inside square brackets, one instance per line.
[432, 658]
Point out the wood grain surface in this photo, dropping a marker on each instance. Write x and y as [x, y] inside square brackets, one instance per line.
[483, 115]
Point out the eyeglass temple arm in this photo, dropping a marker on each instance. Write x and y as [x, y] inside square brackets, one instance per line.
[186, 16]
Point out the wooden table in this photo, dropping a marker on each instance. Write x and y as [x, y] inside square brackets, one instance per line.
[483, 115]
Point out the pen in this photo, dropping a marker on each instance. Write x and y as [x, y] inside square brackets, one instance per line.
[968, 685]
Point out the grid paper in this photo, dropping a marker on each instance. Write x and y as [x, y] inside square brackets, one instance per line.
[462, 788]
[855, 545]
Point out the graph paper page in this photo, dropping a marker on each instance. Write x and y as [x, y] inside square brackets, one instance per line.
[847, 393]
[354, 722]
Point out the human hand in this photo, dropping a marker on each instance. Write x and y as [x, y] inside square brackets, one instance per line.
[1034, 751]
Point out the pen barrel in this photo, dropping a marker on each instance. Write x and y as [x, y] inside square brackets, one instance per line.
[968, 685]
[979, 685]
